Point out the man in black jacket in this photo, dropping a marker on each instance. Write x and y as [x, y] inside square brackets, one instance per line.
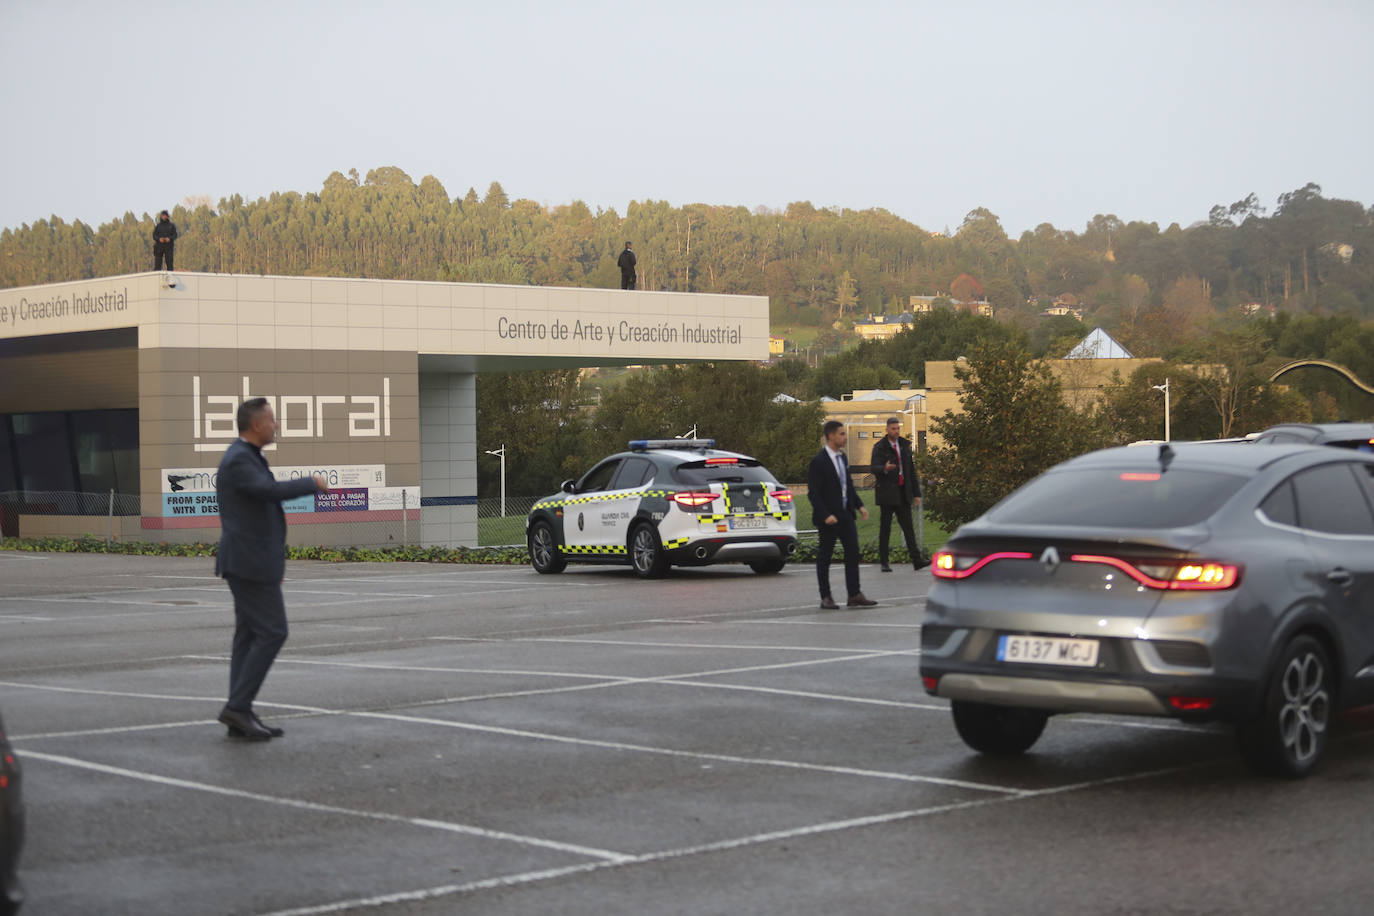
[164, 241]
[896, 489]
[252, 559]
[833, 504]
[627, 267]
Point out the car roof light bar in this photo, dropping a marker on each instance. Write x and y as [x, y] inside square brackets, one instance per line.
[643, 445]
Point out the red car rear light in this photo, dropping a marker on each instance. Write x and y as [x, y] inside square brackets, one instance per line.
[1191, 704]
[782, 496]
[930, 683]
[713, 461]
[1189, 575]
[695, 499]
[947, 564]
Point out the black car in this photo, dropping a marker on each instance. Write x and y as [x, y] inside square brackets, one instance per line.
[1198, 581]
[1358, 436]
[11, 827]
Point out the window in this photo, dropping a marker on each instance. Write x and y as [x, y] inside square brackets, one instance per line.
[700, 474]
[599, 477]
[1331, 500]
[1279, 506]
[634, 472]
[1109, 498]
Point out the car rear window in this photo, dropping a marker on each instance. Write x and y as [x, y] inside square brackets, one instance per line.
[1118, 499]
[699, 473]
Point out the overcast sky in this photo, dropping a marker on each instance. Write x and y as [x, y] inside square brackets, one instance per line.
[1041, 112]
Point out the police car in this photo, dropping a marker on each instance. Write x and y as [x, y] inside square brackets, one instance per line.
[665, 502]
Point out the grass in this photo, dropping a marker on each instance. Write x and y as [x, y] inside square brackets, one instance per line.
[496, 532]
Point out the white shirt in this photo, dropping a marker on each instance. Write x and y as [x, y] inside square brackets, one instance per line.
[839, 472]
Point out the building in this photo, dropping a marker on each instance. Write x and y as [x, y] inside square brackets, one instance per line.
[883, 327]
[130, 384]
[1085, 375]
[921, 305]
[865, 413]
[776, 346]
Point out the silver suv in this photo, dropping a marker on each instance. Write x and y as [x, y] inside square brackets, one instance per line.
[1202, 582]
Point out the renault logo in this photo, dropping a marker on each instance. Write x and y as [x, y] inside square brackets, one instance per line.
[1050, 560]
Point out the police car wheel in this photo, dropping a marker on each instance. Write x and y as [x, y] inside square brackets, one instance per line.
[647, 555]
[544, 555]
[768, 567]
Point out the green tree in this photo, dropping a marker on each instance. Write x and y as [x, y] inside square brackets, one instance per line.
[1014, 425]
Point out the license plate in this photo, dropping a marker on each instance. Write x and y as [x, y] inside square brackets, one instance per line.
[1047, 650]
[738, 523]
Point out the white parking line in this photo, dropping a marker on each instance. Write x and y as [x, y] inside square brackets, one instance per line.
[569, 739]
[857, 823]
[570, 640]
[605, 855]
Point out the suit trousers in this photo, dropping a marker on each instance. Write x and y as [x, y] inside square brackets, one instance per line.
[161, 254]
[847, 533]
[627, 281]
[903, 512]
[259, 632]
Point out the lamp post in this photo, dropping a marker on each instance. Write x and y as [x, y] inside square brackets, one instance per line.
[501, 453]
[1164, 388]
[690, 434]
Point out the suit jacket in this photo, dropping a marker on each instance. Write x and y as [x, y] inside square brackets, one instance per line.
[886, 491]
[252, 543]
[823, 489]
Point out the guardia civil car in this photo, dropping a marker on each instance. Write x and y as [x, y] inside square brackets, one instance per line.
[666, 502]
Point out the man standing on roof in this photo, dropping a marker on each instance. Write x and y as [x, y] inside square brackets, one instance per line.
[627, 267]
[164, 241]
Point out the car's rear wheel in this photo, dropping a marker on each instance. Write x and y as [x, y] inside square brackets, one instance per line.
[768, 567]
[1000, 730]
[647, 555]
[1289, 734]
[544, 555]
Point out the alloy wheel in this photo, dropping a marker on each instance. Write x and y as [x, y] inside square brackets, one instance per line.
[1306, 707]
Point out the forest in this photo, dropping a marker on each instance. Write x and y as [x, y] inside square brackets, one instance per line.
[1246, 286]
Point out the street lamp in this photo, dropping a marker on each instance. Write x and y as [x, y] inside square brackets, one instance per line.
[690, 434]
[501, 453]
[1164, 388]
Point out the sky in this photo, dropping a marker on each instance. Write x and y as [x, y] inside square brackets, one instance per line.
[1040, 112]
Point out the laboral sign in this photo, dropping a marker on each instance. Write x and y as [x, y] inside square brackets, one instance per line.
[353, 488]
[300, 416]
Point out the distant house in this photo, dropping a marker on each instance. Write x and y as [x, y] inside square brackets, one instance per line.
[1257, 310]
[1067, 310]
[921, 305]
[1099, 345]
[881, 327]
[776, 345]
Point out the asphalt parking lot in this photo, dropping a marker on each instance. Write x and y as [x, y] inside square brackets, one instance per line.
[486, 740]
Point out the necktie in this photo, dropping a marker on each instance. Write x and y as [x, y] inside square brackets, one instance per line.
[897, 447]
[839, 469]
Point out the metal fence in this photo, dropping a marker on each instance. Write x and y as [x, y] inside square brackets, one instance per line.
[100, 511]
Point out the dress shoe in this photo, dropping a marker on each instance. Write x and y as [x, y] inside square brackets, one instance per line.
[860, 601]
[887, 568]
[243, 725]
[828, 604]
[270, 729]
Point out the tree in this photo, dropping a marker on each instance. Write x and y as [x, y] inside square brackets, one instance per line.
[845, 298]
[1014, 425]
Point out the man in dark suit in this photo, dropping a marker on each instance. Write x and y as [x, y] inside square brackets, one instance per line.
[252, 559]
[833, 504]
[896, 489]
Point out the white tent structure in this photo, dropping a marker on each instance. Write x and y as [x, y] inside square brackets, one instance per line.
[1099, 345]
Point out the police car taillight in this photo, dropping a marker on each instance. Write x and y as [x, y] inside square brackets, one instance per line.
[695, 499]
[783, 496]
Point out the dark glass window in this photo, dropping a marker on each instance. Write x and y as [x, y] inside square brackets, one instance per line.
[633, 473]
[1279, 506]
[699, 473]
[43, 449]
[1101, 498]
[599, 478]
[1331, 500]
[8, 478]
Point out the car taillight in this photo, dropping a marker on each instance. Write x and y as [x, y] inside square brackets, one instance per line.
[715, 461]
[695, 499]
[1191, 704]
[1188, 575]
[782, 496]
[947, 564]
